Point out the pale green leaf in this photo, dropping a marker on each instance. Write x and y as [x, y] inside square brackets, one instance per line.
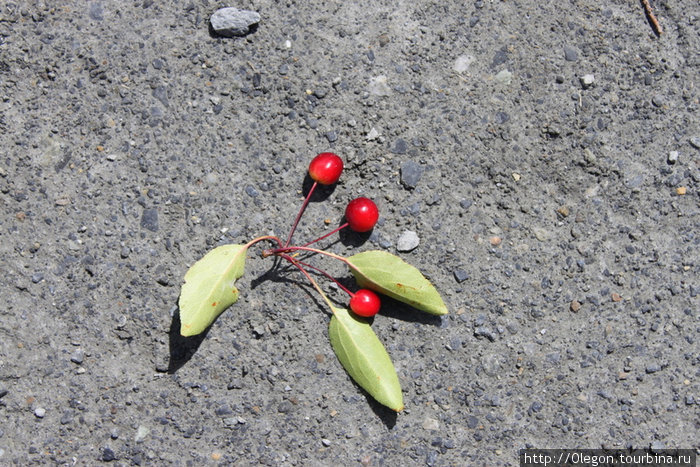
[364, 358]
[390, 275]
[209, 288]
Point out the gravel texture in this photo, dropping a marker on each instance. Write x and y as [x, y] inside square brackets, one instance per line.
[547, 156]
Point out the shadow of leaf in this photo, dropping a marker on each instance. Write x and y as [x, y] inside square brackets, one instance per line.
[182, 348]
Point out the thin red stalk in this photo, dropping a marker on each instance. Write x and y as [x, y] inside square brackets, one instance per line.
[345, 289]
[327, 235]
[301, 211]
[284, 250]
[260, 239]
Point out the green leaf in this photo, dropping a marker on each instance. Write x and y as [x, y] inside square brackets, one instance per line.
[209, 288]
[364, 358]
[392, 276]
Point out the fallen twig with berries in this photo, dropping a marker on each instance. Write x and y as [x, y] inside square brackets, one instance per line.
[209, 289]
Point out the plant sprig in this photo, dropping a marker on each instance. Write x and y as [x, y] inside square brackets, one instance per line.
[209, 288]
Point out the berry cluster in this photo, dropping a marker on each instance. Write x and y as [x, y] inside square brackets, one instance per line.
[361, 215]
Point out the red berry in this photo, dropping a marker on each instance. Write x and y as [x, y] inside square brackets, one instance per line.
[361, 214]
[365, 303]
[326, 168]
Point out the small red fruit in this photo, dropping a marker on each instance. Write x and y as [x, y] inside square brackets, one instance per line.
[361, 214]
[326, 168]
[365, 303]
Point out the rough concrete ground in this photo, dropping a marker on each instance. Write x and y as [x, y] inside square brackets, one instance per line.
[557, 214]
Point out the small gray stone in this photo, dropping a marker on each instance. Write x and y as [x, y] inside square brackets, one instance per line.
[332, 136]
[232, 22]
[96, 12]
[284, 407]
[400, 146]
[408, 241]
[695, 142]
[658, 100]
[78, 356]
[411, 173]
[141, 434]
[67, 417]
[108, 454]
[653, 368]
[461, 275]
[673, 157]
[658, 446]
[484, 331]
[431, 424]
[149, 219]
[570, 54]
[39, 412]
[587, 81]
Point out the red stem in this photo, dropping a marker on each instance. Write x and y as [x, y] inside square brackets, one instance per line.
[284, 250]
[301, 211]
[327, 235]
[345, 289]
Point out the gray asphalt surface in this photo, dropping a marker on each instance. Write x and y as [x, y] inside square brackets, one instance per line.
[546, 154]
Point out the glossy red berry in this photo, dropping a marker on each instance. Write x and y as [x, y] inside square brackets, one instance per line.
[326, 168]
[365, 303]
[361, 214]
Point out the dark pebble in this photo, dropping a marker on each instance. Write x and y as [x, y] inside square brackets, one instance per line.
[472, 421]
[400, 146]
[461, 275]
[502, 117]
[108, 455]
[149, 219]
[67, 417]
[332, 136]
[77, 357]
[223, 410]
[653, 368]
[500, 57]
[536, 406]
[411, 173]
[483, 331]
[3, 392]
[466, 203]
[251, 191]
[161, 93]
[284, 407]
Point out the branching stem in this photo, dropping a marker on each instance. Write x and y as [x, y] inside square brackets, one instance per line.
[327, 235]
